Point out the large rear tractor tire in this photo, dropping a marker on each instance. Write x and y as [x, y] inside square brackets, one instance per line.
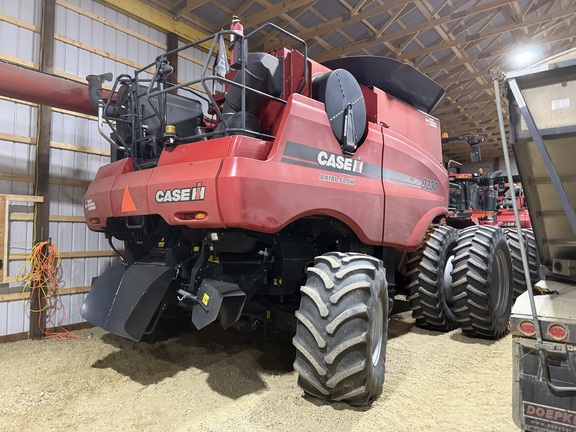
[482, 282]
[430, 281]
[517, 266]
[342, 327]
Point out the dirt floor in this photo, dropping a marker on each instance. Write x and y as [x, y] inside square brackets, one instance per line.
[218, 380]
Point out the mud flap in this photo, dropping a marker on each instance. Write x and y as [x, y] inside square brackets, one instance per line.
[124, 299]
[218, 299]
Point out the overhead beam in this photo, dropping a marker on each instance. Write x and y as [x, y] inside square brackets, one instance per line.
[273, 11]
[497, 31]
[569, 34]
[372, 40]
[186, 6]
[336, 23]
[156, 18]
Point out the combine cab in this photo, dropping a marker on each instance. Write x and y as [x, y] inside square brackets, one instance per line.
[303, 198]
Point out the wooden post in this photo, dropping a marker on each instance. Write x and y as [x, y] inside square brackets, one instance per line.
[42, 169]
[3, 237]
[172, 44]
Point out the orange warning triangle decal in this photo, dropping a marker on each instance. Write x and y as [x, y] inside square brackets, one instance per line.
[127, 202]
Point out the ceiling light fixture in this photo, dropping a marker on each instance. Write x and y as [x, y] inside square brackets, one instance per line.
[524, 57]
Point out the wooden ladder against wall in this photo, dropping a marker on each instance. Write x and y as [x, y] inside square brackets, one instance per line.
[5, 201]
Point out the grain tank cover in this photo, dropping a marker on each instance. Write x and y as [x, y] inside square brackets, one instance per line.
[394, 77]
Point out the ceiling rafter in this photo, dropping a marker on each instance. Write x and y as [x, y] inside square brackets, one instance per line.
[186, 6]
[454, 42]
[484, 7]
[344, 20]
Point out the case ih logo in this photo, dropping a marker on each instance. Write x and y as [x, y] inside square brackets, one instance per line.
[181, 194]
[303, 155]
[340, 162]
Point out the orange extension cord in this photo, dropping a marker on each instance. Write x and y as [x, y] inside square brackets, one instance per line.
[41, 275]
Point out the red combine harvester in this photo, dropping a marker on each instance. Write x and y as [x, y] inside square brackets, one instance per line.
[311, 197]
[477, 199]
[473, 202]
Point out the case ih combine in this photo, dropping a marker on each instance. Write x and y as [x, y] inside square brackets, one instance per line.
[312, 195]
[477, 199]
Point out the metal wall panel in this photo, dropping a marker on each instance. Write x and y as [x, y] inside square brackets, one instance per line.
[16, 157]
[28, 11]
[90, 43]
[17, 317]
[19, 42]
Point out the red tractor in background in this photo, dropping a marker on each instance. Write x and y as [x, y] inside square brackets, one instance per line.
[312, 196]
[484, 199]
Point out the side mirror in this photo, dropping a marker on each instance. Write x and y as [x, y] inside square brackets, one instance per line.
[474, 141]
[475, 153]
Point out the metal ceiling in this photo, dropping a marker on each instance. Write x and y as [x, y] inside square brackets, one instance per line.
[454, 42]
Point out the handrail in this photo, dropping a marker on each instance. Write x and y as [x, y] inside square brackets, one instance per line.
[157, 90]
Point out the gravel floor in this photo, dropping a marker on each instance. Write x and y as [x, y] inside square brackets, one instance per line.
[218, 380]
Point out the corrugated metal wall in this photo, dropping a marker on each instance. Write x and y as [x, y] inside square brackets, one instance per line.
[19, 42]
[90, 39]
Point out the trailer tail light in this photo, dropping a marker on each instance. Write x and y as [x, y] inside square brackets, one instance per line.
[94, 221]
[557, 332]
[527, 328]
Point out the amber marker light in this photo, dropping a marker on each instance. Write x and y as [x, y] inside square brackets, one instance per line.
[94, 221]
[191, 215]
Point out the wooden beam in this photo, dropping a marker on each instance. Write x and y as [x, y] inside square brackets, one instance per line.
[25, 295]
[23, 198]
[29, 217]
[496, 31]
[4, 223]
[157, 19]
[185, 6]
[42, 168]
[372, 40]
[569, 34]
[172, 44]
[109, 23]
[273, 11]
[335, 24]
[66, 255]
[53, 180]
[79, 149]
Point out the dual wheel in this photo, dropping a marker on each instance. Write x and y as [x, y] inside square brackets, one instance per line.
[462, 279]
[456, 279]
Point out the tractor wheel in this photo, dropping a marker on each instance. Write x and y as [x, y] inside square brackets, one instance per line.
[482, 282]
[342, 327]
[430, 281]
[517, 266]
